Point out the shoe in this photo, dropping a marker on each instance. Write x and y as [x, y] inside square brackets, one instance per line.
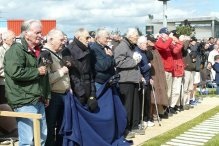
[192, 102]
[172, 110]
[142, 125]
[139, 131]
[181, 108]
[130, 135]
[178, 108]
[150, 124]
[167, 111]
[186, 107]
[145, 124]
[164, 116]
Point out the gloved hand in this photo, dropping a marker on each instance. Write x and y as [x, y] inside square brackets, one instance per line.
[92, 104]
[137, 57]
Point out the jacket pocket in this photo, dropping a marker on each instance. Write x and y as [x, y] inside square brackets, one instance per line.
[179, 70]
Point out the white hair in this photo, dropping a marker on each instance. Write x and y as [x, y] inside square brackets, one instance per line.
[141, 39]
[7, 34]
[102, 32]
[80, 32]
[26, 25]
[54, 33]
[131, 32]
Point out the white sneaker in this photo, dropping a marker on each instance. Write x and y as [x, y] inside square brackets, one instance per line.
[150, 124]
[145, 124]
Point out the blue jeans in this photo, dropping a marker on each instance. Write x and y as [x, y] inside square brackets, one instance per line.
[98, 85]
[25, 126]
[54, 117]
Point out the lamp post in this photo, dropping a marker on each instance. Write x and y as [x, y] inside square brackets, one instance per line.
[164, 12]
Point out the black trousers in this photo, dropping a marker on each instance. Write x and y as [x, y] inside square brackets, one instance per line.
[147, 102]
[3, 99]
[130, 98]
[54, 117]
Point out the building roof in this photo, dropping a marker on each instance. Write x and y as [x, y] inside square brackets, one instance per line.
[196, 19]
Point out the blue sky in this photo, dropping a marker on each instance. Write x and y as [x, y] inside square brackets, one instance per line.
[112, 14]
[201, 7]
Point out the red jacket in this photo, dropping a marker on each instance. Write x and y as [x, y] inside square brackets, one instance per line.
[178, 65]
[165, 53]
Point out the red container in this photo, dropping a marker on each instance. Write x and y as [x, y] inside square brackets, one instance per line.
[47, 26]
[15, 25]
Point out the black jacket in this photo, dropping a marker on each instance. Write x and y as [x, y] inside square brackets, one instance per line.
[81, 77]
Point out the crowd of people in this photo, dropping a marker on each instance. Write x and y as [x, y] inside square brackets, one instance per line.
[160, 73]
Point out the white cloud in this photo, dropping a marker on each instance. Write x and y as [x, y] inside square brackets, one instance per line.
[112, 14]
[214, 14]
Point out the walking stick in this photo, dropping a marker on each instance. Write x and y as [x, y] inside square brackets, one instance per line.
[155, 102]
[142, 109]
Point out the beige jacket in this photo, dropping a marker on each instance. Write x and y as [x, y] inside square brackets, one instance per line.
[59, 81]
[3, 49]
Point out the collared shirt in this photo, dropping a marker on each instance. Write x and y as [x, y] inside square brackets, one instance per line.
[35, 51]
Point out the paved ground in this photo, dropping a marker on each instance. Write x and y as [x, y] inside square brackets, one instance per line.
[176, 120]
[198, 135]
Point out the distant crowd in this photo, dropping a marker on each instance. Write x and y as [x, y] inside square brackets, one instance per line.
[100, 80]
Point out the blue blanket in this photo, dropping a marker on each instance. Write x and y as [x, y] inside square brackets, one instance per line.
[105, 127]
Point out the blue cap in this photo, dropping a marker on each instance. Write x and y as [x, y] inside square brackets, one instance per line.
[164, 30]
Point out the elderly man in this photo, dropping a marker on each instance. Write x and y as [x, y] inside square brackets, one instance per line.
[8, 38]
[145, 68]
[23, 81]
[60, 86]
[102, 58]
[163, 46]
[82, 83]
[127, 67]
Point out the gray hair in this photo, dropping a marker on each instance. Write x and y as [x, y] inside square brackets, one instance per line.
[102, 32]
[26, 25]
[7, 34]
[131, 32]
[80, 32]
[54, 33]
[141, 39]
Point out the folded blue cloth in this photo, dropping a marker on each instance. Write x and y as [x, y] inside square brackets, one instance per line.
[105, 127]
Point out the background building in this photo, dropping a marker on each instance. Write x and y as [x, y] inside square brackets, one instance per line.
[205, 27]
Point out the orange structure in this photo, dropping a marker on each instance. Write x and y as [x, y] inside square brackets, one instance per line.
[15, 25]
[48, 25]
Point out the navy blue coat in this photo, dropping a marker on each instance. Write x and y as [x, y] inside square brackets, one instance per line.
[144, 67]
[216, 68]
[102, 64]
